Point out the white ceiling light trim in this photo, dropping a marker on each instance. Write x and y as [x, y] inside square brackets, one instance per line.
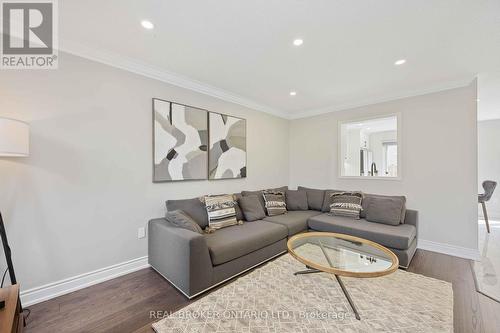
[341, 107]
[147, 24]
[138, 67]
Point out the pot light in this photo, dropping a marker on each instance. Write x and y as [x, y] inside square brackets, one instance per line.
[478, 100]
[298, 42]
[147, 24]
[400, 62]
[293, 93]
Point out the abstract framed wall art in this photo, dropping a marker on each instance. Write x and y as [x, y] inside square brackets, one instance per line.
[180, 142]
[227, 156]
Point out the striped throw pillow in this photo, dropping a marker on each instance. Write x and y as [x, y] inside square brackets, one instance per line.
[221, 211]
[275, 202]
[346, 204]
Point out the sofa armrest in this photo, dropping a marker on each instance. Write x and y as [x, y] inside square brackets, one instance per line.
[180, 255]
[411, 217]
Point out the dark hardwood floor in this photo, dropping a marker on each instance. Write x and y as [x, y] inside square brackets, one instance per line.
[124, 304]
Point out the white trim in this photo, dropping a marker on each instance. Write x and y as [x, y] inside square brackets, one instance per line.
[452, 250]
[59, 288]
[399, 137]
[376, 100]
[141, 68]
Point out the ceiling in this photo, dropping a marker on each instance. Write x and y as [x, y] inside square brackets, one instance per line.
[242, 51]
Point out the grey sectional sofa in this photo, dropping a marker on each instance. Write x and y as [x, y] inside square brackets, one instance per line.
[195, 262]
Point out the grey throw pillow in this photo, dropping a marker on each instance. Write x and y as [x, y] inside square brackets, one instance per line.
[368, 199]
[385, 210]
[315, 197]
[182, 220]
[296, 200]
[195, 208]
[252, 208]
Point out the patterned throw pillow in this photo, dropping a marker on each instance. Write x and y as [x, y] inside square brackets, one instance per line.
[221, 211]
[275, 202]
[346, 204]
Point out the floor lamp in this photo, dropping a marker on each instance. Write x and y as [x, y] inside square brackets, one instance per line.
[14, 142]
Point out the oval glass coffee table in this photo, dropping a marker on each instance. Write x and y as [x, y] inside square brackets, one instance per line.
[342, 255]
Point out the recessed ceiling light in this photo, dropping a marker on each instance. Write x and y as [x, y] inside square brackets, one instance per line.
[298, 42]
[293, 93]
[400, 62]
[478, 100]
[147, 24]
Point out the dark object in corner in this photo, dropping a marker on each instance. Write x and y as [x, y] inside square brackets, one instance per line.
[8, 258]
[2, 304]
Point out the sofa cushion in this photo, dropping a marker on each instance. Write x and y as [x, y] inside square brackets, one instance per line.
[239, 212]
[398, 237]
[296, 200]
[346, 204]
[260, 196]
[195, 208]
[385, 210]
[275, 202]
[315, 197]
[238, 240]
[251, 208]
[221, 211]
[326, 201]
[295, 221]
[182, 220]
[367, 200]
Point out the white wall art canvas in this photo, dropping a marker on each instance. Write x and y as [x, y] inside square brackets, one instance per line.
[180, 142]
[227, 141]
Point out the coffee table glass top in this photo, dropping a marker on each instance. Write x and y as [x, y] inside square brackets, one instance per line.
[342, 255]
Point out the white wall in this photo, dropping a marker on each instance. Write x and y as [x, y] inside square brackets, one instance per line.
[439, 127]
[75, 204]
[488, 135]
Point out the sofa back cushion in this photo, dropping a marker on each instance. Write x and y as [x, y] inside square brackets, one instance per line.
[221, 211]
[260, 196]
[382, 210]
[315, 197]
[384, 203]
[252, 208]
[195, 208]
[296, 200]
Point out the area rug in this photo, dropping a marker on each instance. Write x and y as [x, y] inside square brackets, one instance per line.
[272, 299]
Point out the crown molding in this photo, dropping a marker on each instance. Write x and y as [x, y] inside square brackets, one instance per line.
[156, 73]
[371, 101]
[141, 68]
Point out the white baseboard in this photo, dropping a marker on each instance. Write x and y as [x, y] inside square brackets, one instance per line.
[58, 288]
[452, 250]
[62, 287]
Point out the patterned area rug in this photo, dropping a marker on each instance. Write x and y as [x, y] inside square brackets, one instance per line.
[272, 299]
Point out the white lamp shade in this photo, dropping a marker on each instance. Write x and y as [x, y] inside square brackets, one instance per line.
[14, 138]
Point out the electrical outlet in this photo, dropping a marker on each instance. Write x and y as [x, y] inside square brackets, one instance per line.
[141, 232]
